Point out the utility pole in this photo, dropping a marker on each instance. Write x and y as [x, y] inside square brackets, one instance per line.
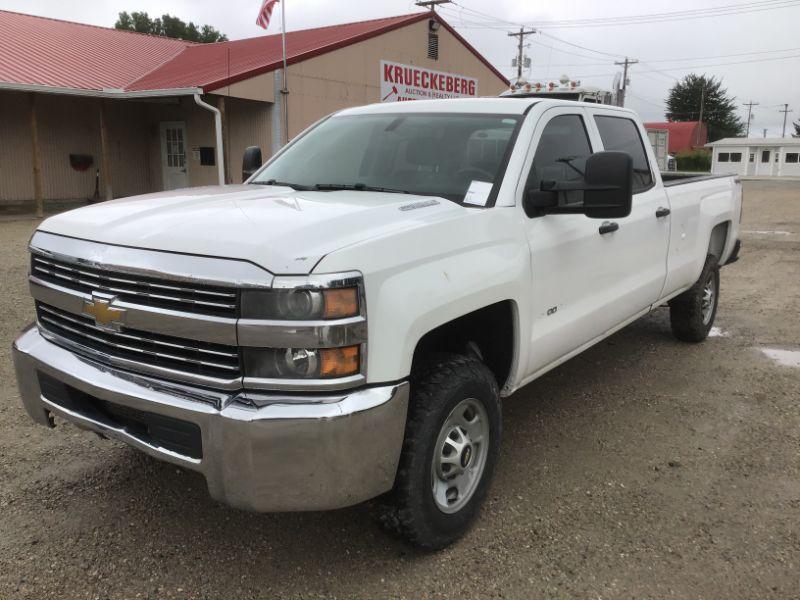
[520, 48]
[749, 106]
[432, 4]
[625, 64]
[785, 111]
[702, 99]
[702, 102]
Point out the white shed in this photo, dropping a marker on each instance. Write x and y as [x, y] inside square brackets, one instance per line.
[776, 157]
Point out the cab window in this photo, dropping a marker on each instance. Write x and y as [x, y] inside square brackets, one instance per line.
[622, 135]
[561, 155]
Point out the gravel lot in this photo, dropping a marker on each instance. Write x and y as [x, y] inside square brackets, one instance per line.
[644, 468]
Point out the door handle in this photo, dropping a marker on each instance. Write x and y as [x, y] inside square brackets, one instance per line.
[662, 212]
[608, 227]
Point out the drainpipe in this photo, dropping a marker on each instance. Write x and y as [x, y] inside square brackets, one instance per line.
[218, 133]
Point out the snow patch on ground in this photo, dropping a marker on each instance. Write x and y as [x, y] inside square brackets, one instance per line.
[768, 232]
[785, 358]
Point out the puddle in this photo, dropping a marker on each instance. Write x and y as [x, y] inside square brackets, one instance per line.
[765, 232]
[785, 358]
[717, 332]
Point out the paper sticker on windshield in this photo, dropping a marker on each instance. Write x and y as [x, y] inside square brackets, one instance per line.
[478, 193]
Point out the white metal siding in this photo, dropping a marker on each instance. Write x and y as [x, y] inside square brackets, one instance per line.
[734, 168]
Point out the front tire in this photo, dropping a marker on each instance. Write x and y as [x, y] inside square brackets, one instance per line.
[692, 314]
[450, 449]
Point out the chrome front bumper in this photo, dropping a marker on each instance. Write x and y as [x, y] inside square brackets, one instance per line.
[288, 453]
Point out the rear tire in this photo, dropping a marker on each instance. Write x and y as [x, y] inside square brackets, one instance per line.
[451, 445]
[692, 314]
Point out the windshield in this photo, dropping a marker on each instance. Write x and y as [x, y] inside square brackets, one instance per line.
[428, 154]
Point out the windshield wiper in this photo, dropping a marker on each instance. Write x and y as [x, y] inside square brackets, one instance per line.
[358, 187]
[294, 186]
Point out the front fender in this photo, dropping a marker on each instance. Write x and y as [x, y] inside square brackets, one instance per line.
[419, 279]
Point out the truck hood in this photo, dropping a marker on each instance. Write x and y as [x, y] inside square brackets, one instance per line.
[282, 230]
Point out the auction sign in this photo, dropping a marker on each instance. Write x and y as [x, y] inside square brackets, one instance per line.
[408, 82]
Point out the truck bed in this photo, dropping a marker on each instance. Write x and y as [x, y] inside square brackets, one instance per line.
[672, 178]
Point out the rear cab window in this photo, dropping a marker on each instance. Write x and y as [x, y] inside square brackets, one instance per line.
[621, 134]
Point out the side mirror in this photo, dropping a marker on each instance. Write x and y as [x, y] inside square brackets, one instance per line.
[251, 161]
[607, 189]
[609, 180]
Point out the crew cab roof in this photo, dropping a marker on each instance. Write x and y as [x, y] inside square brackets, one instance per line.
[505, 105]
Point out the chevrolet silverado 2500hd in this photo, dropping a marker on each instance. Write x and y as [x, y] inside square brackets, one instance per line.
[343, 325]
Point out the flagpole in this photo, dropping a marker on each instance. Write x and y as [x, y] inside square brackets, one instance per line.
[285, 90]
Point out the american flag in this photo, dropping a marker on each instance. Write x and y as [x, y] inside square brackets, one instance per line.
[265, 13]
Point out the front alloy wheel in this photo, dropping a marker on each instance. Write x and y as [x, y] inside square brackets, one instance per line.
[460, 455]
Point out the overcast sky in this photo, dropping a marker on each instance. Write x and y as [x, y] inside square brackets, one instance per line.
[753, 37]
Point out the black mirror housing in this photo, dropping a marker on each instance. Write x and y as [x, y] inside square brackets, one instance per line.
[539, 202]
[609, 179]
[251, 161]
[607, 190]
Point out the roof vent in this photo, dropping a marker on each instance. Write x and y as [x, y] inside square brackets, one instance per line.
[433, 46]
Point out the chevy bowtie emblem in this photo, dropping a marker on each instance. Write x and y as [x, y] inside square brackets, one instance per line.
[105, 315]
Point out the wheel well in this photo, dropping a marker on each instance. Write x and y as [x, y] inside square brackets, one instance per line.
[719, 235]
[487, 333]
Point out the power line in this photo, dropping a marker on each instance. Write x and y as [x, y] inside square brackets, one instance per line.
[729, 9]
[737, 9]
[552, 37]
[739, 62]
[655, 103]
[725, 55]
[670, 60]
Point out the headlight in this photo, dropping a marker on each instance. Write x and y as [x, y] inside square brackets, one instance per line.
[301, 363]
[304, 328]
[300, 304]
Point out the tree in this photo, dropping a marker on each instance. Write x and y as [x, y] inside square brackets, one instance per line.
[796, 129]
[719, 109]
[168, 26]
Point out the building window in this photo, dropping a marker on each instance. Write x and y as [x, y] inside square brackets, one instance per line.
[777, 157]
[723, 157]
[433, 46]
[752, 157]
[792, 157]
[764, 156]
[736, 157]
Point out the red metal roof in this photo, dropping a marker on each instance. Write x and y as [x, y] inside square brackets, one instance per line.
[683, 135]
[41, 51]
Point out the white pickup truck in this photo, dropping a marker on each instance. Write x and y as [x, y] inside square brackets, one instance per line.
[343, 325]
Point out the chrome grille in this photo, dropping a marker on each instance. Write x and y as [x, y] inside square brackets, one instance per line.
[143, 348]
[146, 291]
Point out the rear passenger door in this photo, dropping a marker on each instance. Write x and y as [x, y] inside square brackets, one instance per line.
[645, 232]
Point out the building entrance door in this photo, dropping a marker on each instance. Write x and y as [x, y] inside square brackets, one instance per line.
[173, 155]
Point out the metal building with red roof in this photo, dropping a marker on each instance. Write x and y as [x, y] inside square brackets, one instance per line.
[75, 98]
[683, 135]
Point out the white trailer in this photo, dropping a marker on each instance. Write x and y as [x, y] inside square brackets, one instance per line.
[659, 140]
